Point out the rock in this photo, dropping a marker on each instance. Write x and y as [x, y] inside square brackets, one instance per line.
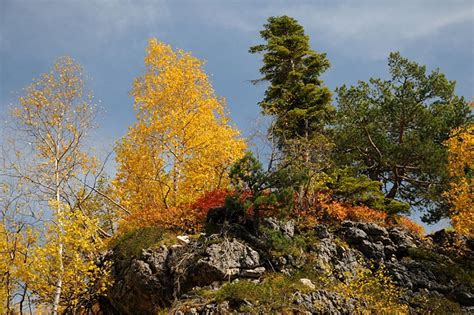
[159, 276]
[400, 274]
[282, 260]
[229, 259]
[288, 228]
[464, 297]
[323, 302]
[153, 280]
[333, 257]
[355, 235]
[372, 250]
[374, 230]
[183, 238]
[389, 250]
[308, 283]
[402, 239]
[384, 239]
[321, 231]
[140, 286]
[271, 223]
[347, 223]
[191, 311]
[252, 273]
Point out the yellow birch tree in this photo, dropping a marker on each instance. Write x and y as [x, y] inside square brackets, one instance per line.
[54, 117]
[182, 143]
[461, 168]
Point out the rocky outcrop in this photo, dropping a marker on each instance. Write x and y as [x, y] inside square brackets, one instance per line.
[160, 275]
[376, 242]
[423, 267]
[324, 302]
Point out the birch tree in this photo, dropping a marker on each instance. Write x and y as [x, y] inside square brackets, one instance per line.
[53, 119]
[182, 143]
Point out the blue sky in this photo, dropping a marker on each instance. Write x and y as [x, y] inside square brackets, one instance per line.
[108, 39]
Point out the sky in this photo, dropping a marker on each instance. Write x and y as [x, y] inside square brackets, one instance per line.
[108, 38]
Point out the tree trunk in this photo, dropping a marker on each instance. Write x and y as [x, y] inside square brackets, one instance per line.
[176, 177]
[23, 299]
[59, 282]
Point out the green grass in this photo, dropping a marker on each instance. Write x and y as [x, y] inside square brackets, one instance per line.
[130, 244]
[281, 244]
[436, 305]
[273, 294]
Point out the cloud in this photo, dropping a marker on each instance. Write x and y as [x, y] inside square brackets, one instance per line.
[380, 26]
[92, 24]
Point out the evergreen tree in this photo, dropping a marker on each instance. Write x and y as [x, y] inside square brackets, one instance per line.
[393, 132]
[296, 97]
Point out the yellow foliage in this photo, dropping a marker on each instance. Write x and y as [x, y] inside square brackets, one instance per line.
[15, 256]
[374, 292]
[81, 245]
[182, 144]
[461, 167]
[54, 117]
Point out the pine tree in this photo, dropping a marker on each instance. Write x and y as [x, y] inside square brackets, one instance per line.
[296, 96]
[393, 132]
[297, 100]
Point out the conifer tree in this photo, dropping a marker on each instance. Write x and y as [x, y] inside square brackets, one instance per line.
[393, 132]
[296, 96]
[297, 100]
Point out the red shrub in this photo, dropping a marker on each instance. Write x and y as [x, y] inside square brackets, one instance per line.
[186, 218]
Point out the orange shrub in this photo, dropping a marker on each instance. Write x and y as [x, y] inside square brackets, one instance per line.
[366, 214]
[410, 225]
[324, 208]
[191, 217]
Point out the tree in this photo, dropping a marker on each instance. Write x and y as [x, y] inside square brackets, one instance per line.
[461, 168]
[393, 132]
[297, 100]
[81, 277]
[182, 144]
[101, 203]
[17, 237]
[296, 97]
[53, 119]
[359, 189]
[260, 190]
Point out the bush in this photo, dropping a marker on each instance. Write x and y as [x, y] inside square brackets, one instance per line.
[324, 208]
[281, 244]
[359, 190]
[188, 218]
[374, 292]
[435, 305]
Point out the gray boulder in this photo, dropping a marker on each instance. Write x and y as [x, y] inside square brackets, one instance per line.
[230, 259]
[355, 235]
